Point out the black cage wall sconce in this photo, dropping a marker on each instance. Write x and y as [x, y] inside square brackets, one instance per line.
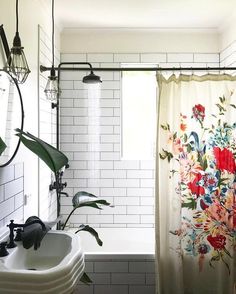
[52, 87]
[91, 78]
[17, 64]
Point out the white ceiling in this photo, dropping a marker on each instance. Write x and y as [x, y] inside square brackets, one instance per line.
[143, 13]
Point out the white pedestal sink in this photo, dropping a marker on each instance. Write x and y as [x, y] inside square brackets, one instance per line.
[52, 269]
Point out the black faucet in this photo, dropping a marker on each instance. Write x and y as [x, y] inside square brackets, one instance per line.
[12, 226]
[64, 193]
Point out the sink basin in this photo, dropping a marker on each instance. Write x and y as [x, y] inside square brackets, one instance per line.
[52, 269]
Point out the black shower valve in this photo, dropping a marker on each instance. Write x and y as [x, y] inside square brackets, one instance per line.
[61, 173]
[64, 185]
[52, 186]
[59, 186]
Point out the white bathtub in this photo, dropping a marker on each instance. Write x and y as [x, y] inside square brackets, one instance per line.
[124, 264]
[120, 241]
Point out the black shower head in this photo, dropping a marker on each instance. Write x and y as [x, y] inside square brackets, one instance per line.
[92, 79]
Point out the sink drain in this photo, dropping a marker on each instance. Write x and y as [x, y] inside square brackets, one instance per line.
[32, 269]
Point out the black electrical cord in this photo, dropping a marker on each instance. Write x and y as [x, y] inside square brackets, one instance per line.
[52, 33]
[17, 17]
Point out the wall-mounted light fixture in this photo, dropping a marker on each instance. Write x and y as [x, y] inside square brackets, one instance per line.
[91, 78]
[51, 89]
[17, 64]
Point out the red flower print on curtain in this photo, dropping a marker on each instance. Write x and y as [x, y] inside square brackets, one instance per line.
[196, 188]
[205, 164]
[225, 160]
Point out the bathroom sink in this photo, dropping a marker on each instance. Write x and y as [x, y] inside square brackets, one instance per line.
[52, 269]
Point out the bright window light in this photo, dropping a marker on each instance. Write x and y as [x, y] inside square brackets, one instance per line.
[138, 114]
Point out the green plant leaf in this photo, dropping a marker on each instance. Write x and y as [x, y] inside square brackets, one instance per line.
[202, 161]
[222, 99]
[232, 105]
[83, 198]
[189, 148]
[173, 171]
[165, 127]
[89, 229]
[54, 158]
[227, 266]
[191, 204]
[227, 252]
[165, 154]
[3, 146]
[162, 156]
[85, 279]
[205, 165]
[213, 259]
[169, 156]
[222, 181]
[185, 138]
[221, 108]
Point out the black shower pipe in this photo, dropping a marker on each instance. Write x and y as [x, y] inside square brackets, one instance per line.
[61, 67]
[44, 68]
[5, 44]
[56, 105]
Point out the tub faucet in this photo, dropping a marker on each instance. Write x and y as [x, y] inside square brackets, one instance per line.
[64, 193]
[13, 226]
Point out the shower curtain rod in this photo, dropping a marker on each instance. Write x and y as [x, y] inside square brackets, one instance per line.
[44, 68]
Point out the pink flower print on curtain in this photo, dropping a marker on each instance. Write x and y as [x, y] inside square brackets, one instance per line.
[206, 183]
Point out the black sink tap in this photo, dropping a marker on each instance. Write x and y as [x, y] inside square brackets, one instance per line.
[3, 250]
[12, 226]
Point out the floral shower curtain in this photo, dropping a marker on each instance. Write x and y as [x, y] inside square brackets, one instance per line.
[196, 185]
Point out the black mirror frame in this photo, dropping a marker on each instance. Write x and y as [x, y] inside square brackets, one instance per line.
[22, 118]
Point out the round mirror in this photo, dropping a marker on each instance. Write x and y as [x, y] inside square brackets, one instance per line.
[11, 117]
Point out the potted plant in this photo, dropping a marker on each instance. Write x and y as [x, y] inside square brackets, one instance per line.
[3, 146]
[56, 160]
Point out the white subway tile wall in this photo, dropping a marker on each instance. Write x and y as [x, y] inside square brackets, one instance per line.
[126, 275]
[228, 57]
[11, 193]
[95, 162]
[47, 129]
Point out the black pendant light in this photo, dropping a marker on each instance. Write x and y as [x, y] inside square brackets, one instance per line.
[17, 64]
[51, 89]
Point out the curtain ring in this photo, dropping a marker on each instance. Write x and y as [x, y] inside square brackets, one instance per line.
[157, 71]
[173, 70]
